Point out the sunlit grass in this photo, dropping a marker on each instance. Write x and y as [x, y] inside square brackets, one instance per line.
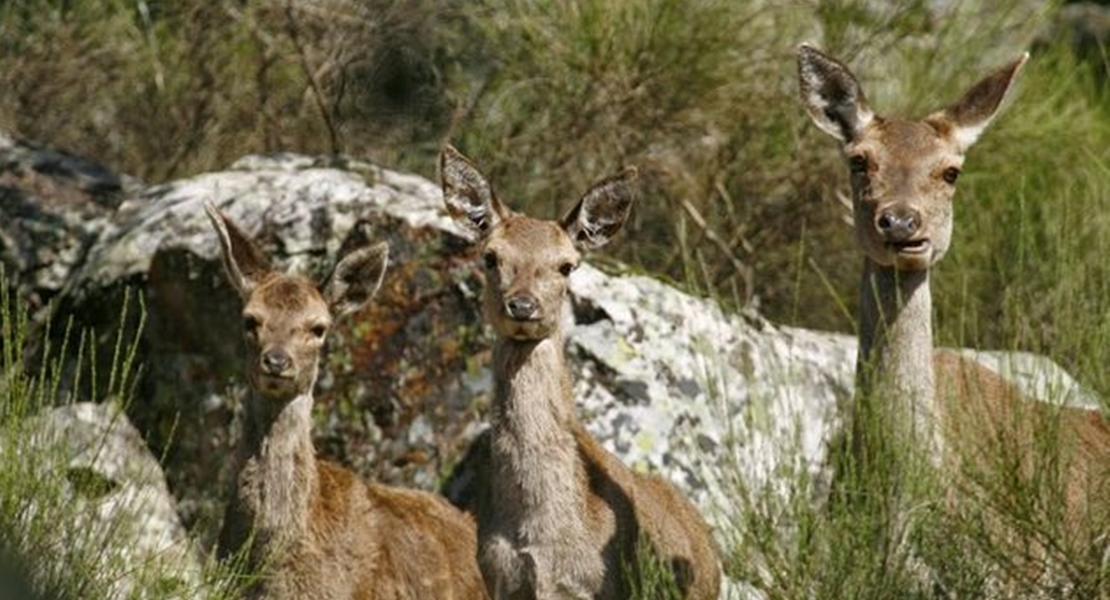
[66, 531]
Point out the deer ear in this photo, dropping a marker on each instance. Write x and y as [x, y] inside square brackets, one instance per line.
[469, 197]
[356, 279]
[832, 96]
[969, 117]
[602, 211]
[243, 262]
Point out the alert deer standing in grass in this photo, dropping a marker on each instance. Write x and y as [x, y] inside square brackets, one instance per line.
[314, 529]
[560, 517]
[903, 178]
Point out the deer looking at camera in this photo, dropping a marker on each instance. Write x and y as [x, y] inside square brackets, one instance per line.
[560, 517]
[313, 528]
[903, 178]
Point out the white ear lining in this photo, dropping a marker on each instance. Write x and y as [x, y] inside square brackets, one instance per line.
[968, 134]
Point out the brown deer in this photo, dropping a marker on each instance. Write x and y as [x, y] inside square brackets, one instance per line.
[314, 528]
[559, 516]
[903, 177]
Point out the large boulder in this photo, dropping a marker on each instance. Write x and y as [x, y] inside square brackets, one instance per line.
[52, 206]
[390, 401]
[667, 381]
[716, 402]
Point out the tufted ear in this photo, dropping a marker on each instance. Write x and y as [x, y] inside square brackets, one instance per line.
[969, 117]
[243, 262]
[469, 197]
[356, 279]
[602, 211]
[832, 96]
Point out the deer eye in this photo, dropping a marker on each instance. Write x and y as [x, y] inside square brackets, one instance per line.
[250, 324]
[857, 163]
[951, 174]
[319, 330]
[490, 259]
[567, 268]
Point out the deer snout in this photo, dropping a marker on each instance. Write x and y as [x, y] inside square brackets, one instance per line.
[898, 223]
[522, 307]
[276, 361]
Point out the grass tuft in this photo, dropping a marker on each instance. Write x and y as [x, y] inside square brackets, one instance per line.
[66, 530]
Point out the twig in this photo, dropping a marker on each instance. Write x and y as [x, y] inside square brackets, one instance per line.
[844, 200]
[317, 94]
[742, 269]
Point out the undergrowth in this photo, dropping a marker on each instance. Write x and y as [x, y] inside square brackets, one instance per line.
[739, 191]
[68, 530]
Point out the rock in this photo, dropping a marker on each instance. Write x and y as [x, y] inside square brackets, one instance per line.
[116, 493]
[52, 205]
[392, 372]
[673, 384]
[1037, 377]
[667, 381]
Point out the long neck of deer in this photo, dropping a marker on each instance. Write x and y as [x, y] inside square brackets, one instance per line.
[278, 473]
[896, 338]
[532, 421]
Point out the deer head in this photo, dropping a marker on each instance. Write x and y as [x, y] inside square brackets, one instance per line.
[286, 317]
[528, 261]
[903, 173]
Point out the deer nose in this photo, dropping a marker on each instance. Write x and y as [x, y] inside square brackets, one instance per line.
[898, 224]
[276, 361]
[522, 308]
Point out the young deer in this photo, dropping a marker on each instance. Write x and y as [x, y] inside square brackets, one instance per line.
[318, 530]
[560, 517]
[903, 176]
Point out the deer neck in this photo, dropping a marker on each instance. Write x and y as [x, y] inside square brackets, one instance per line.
[534, 451]
[277, 476]
[896, 337]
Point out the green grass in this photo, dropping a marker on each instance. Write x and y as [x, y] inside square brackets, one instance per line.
[738, 189]
[55, 539]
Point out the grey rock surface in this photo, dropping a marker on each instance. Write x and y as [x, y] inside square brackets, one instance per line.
[667, 381]
[392, 373]
[117, 493]
[671, 383]
[52, 205]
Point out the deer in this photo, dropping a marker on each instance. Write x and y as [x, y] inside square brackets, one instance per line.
[313, 528]
[558, 515]
[903, 176]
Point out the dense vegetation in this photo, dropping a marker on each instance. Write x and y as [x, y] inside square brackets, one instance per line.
[739, 190]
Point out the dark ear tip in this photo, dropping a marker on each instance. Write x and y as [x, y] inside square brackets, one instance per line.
[381, 250]
[378, 252]
[807, 51]
[450, 151]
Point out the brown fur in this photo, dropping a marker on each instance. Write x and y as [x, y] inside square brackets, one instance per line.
[987, 422]
[314, 530]
[559, 516]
